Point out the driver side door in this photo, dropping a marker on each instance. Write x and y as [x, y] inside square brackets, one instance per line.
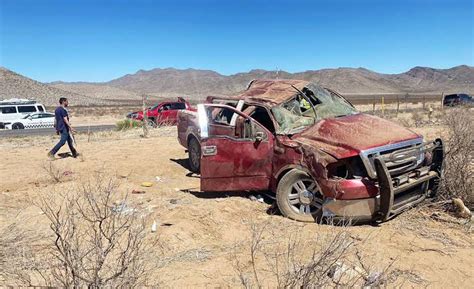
[233, 161]
[164, 114]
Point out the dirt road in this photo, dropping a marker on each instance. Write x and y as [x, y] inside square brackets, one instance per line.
[201, 233]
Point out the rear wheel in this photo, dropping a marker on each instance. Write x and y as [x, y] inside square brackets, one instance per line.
[18, 126]
[194, 152]
[299, 197]
[151, 122]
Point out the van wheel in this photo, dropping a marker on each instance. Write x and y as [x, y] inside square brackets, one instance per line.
[194, 153]
[18, 126]
[299, 197]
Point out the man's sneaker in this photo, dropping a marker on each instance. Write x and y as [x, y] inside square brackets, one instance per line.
[76, 155]
[51, 156]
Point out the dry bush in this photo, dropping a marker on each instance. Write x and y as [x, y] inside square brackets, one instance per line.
[458, 172]
[417, 117]
[328, 260]
[95, 242]
[54, 173]
[17, 256]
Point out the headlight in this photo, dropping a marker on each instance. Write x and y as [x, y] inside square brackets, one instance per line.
[351, 168]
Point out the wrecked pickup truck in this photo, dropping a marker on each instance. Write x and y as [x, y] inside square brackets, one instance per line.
[311, 147]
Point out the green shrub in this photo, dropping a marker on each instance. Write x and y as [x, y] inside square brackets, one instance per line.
[128, 124]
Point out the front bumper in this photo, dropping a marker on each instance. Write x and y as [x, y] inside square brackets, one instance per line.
[395, 193]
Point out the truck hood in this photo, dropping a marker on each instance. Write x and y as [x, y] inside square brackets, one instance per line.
[347, 136]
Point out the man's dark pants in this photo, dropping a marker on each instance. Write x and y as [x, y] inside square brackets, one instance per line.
[65, 137]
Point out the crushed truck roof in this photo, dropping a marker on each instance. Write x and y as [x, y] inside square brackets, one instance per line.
[272, 90]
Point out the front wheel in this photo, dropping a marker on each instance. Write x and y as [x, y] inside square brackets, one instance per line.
[299, 197]
[18, 126]
[194, 153]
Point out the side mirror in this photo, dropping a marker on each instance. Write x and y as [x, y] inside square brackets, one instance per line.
[259, 136]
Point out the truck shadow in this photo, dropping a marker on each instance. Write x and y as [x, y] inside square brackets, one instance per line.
[262, 197]
[185, 164]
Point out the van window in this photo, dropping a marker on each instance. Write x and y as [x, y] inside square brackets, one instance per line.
[8, 109]
[40, 108]
[28, 108]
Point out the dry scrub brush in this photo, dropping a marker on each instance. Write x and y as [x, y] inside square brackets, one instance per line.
[95, 243]
[458, 173]
[327, 260]
[54, 173]
[18, 260]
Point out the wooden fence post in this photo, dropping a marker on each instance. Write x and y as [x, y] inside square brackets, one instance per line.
[398, 104]
[383, 106]
[373, 105]
[145, 117]
[442, 101]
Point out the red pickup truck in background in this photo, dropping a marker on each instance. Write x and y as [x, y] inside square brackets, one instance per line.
[164, 113]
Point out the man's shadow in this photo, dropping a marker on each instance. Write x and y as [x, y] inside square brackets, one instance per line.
[65, 155]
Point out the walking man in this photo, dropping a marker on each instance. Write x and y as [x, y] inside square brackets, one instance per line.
[63, 128]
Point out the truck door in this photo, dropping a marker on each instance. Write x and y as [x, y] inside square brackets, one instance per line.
[232, 161]
[164, 114]
[175, 107]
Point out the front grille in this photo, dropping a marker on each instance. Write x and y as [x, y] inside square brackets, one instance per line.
[399, 157]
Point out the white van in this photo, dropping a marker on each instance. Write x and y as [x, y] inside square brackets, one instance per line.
[15, 108]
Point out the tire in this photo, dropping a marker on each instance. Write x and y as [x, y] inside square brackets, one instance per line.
[299, 197]
[18, 126]
[151, 122]
[194, 153]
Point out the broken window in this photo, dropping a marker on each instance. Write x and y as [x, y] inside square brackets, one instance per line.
[300, 112]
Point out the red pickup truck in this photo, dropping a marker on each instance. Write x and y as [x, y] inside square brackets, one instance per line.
[313, 149]
[164, 113]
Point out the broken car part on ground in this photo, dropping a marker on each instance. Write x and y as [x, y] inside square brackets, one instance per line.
[309, 146]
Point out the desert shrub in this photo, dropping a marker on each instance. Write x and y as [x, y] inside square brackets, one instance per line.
[458, 173]
[17, 255]
[128, 124]
[55, 173]
[417, 117]
[95, 242]
[329, 260]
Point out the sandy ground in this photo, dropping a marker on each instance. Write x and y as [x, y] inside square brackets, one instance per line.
[201, 234]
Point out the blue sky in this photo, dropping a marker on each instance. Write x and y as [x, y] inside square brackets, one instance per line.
[74, 40]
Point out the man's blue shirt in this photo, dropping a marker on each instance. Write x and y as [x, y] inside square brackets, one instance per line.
[60, 113]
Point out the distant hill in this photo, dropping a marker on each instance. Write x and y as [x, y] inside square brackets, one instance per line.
[191, 82]
[13, 85]
[97, 90]
[195, 83]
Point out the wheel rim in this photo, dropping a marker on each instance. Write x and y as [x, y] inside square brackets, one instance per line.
[195, 154]
[304, 197]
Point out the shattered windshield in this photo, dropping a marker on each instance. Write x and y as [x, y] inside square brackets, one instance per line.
[296, 114]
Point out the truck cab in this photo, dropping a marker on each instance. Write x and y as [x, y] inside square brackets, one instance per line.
[163, 113]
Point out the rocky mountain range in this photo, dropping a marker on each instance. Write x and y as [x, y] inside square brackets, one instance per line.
[194, 83]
